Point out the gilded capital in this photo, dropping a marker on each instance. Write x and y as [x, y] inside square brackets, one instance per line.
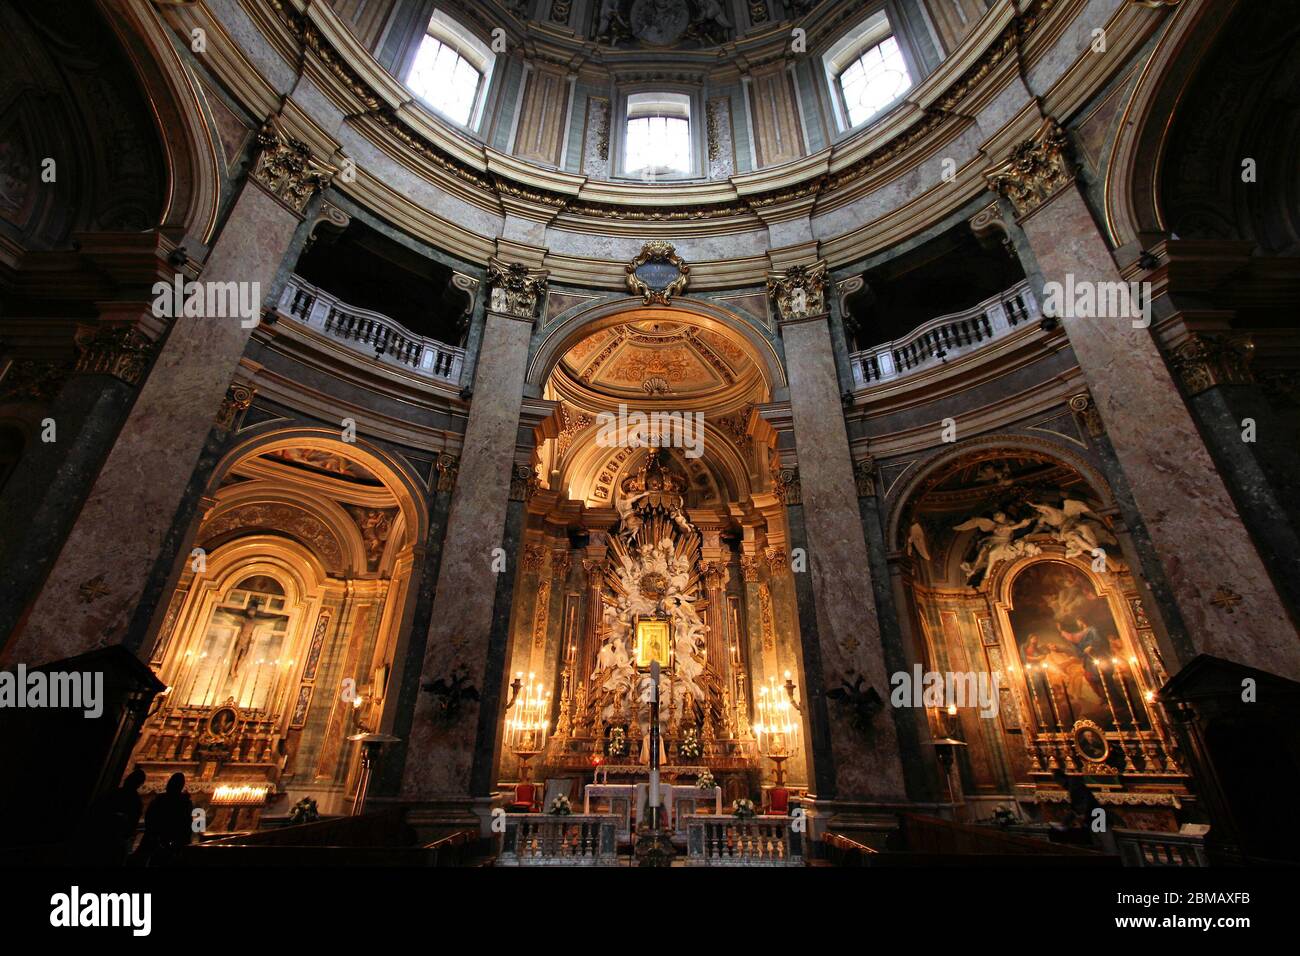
[1086, 414]
[1037, 169]
[523, 482]
[120, 351]
[514, 289]
[286, 169]
[800, 291]
[787, 486]
[239, 398]
[447, 466]
[1204, 361]
[864, 475]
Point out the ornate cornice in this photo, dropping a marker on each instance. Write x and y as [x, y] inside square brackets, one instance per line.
[1037, 169]
[800, 291]
[1204, 361]
[1012, 38]
[120, 351]
[514, 289]
[286, 168]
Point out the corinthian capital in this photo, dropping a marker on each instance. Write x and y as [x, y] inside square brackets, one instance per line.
[1037, 169]
[515, 290]
[800, 291]
[286, 169]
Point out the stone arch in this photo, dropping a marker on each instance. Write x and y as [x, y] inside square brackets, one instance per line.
[401, 479]
[575, 324]
[940, 459]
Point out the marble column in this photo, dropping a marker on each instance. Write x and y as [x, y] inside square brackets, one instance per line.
[399, 716]
[921, 769]
[98, 581]
[45, 491]
[1229, 605]
[1263, 475]
[837, 619]
[480, 555]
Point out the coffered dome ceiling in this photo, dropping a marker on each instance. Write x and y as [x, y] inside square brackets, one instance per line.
[652, 359]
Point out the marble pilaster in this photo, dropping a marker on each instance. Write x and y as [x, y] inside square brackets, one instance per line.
[837, 618]
[1229, 605]
[483, 517]
[127, 518]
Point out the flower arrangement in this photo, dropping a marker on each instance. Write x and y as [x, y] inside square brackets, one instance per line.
[689, 748]
[705, 781]
[304, 811]
[560, 806]
[743, 809]
[617, 744]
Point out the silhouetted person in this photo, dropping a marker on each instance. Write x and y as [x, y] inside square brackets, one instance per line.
[167, 824]
[1084, 804]
[111, 823]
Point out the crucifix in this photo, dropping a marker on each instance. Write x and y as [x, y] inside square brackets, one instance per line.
[244, 639]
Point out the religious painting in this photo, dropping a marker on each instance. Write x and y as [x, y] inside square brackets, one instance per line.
[1067, 637]
[653, 643]
[239, 654]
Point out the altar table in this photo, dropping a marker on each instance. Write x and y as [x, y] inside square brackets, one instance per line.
[624, 796]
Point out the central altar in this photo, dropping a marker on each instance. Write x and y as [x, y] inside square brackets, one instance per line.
[653, 608]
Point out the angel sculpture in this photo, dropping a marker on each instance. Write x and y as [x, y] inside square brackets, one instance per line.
[629, 523]
[1068, 525]
[916, 541]
[997, 544]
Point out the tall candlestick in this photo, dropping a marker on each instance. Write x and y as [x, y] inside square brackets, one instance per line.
[654, 744]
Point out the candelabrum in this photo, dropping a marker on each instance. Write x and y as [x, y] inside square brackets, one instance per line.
[777, 728]
[527, 722]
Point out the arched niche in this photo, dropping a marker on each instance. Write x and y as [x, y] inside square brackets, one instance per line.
[570, 327]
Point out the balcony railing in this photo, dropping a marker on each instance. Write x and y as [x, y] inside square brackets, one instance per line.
[1146, 848]
[727, 841]
[579, 839]
[946, 337]
[370, 333]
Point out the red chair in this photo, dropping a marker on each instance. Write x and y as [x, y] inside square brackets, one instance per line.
[778, 801]
[525, 798]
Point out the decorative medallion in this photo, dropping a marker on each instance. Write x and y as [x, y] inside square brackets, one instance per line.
[92, 590]
[658, 273]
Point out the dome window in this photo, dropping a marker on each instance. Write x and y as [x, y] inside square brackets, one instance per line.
[451, 71]
[868, 71]
[658, 135]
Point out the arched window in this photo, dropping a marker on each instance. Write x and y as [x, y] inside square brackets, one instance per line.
[868, 71]
[451, 70]
[658, 135]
